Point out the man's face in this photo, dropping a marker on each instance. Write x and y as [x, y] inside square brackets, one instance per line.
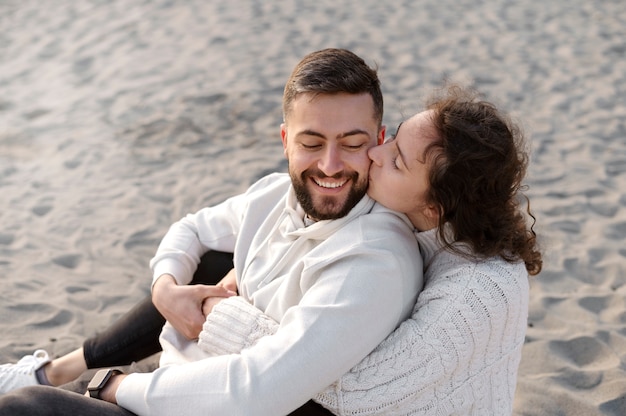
[326, 138]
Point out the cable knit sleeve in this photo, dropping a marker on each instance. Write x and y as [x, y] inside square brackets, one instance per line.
[459, 351]
[457, 354]
[233, 325]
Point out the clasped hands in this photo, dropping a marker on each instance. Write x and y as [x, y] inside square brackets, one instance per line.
[186, 306]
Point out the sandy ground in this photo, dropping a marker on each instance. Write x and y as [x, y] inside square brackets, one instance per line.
[119, 117]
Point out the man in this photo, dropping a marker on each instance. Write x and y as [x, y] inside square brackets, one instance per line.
[311, 250]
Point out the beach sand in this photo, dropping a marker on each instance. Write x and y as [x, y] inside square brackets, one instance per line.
[119, 117]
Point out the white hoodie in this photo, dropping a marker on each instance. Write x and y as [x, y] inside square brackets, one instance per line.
[337, 289]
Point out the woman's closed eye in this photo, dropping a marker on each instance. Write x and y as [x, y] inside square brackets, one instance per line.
[394, 162]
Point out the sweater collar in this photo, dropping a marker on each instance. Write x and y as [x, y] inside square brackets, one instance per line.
[429, 244]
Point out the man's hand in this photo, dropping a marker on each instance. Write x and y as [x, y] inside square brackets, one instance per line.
[182, 305]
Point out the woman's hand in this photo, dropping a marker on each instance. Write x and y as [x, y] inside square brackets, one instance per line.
[209, 303]
[182, 306]
[229, 282]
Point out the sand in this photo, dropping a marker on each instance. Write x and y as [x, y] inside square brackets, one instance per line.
[119, 117]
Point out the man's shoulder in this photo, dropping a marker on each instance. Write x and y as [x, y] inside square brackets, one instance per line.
[386, 220]
[272, 179]
[274, 182]
[380, 227]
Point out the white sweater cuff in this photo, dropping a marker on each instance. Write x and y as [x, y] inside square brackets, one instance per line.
[169, 266]
[234, 325]
[131, 392]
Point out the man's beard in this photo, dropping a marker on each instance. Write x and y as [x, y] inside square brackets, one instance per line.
[329, 208]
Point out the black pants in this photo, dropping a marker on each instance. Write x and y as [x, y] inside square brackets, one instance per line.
[51, 401]
[135, 335]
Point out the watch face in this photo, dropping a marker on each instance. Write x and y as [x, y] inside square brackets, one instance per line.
[99, 380]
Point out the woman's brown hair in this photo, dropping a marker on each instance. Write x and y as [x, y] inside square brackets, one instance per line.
[478, 163]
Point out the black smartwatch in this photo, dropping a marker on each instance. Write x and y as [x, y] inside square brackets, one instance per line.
[99, 380]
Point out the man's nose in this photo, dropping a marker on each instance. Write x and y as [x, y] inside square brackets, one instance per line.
[331, 162]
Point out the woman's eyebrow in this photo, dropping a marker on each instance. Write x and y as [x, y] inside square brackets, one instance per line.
[398, 129]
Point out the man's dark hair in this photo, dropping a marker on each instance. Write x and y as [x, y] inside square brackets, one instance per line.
[333, 71]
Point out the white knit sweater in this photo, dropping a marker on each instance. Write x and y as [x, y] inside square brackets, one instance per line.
[457, 355]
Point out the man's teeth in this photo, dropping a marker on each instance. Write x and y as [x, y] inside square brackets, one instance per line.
[330, 184]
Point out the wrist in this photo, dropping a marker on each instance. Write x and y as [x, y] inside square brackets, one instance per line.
[163, 284]
[104, 384]
[109, 391]
[164, 281]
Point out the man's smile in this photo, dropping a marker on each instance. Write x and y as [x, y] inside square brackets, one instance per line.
[329, 184]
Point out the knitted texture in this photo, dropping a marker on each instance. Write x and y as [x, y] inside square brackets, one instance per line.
[458, 354]
[233, 326]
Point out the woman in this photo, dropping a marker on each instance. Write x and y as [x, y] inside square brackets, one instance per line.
[456, 171]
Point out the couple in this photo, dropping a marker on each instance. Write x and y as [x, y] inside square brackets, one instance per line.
[325, 274]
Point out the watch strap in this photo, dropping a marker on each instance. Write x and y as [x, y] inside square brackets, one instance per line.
[100, 380]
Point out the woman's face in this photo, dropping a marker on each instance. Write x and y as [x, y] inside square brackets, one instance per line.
[398, 177]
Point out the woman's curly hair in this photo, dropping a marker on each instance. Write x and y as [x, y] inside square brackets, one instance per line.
[478, 163]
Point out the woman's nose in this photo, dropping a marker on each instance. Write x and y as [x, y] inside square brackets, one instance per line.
[374, 154]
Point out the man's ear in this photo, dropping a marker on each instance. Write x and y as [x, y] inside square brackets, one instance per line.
[381, 135]
[283, 136]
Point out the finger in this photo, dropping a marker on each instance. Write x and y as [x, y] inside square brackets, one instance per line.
[207, 307]
[232, 286]
[216, 291]
[192, 328]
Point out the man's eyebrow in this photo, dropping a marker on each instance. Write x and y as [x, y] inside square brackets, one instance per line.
[309, 132]
[355, 132]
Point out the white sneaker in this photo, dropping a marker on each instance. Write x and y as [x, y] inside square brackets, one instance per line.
[22, 374]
